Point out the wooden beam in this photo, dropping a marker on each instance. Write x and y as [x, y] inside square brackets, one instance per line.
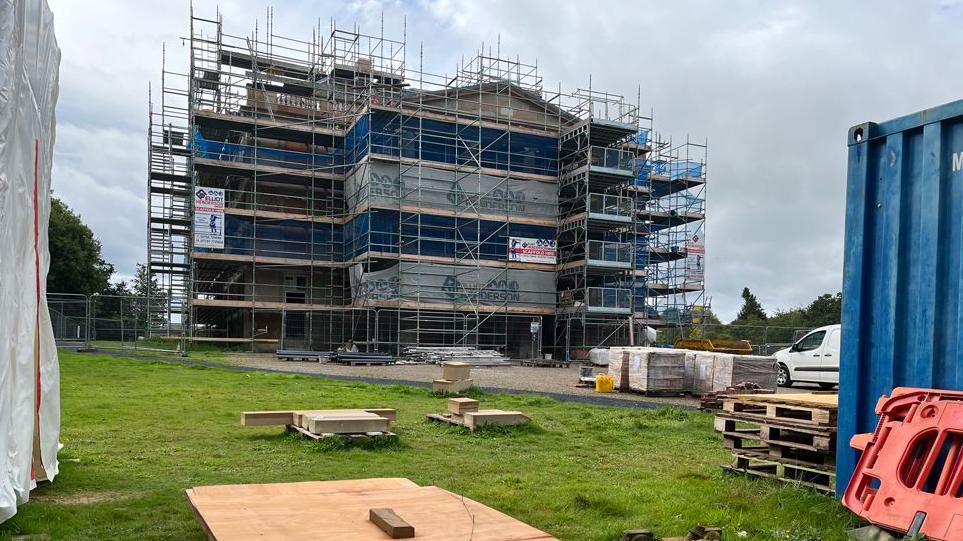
[476, 419]
[266, 418]
[460, 406]
[393, 525]
[346, 423]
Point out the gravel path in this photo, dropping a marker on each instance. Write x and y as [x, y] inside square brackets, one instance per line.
[558, 383]
[551, 381]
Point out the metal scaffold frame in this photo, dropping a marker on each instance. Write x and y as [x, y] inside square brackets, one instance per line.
[370, 201]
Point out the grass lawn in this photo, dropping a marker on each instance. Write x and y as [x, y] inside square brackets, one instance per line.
[137, 433]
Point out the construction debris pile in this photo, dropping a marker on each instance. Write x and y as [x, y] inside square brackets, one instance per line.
[789, 437]
[467, 355]
[714, 400]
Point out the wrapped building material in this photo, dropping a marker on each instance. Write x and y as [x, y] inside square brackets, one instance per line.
[718, 371]
[649, 370]
[599, 356]
[29, 371]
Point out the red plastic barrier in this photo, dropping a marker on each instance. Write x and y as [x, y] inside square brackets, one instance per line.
[910, 475]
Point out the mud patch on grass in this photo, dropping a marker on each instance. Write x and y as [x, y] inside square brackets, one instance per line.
[81, 498]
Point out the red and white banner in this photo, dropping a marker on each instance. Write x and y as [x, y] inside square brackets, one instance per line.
[528, 250]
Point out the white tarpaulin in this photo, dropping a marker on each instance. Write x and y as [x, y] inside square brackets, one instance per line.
[29, 373]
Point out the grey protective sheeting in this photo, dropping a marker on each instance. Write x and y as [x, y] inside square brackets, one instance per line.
[384, 184]
[718, 371]
[438, 283]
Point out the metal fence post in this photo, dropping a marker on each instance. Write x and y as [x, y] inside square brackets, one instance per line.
[87, 322]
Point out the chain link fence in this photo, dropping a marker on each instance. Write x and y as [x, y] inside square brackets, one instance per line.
[113, 322]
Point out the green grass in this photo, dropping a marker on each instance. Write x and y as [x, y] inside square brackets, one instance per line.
[137, 433]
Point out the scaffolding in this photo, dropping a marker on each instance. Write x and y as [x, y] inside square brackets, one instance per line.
[367, 200]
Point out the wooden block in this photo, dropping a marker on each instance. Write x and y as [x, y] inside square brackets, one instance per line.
[450, 386]
[475, 419]
[454, 371]
[352, 423]
[388, 413]
[266, 418]
[459, 406]
[300, 417]
[393, 525]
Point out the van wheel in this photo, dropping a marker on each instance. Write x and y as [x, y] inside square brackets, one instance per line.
[782, 377]
[827, 386]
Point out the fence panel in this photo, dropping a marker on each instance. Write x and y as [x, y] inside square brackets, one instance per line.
[113, 322]
[69, 318]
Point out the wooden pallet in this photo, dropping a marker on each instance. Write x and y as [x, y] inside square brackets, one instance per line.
[503, 418]
[815, 409]
[308, 434]
[808, 438]
[757, 465]
[546, 363]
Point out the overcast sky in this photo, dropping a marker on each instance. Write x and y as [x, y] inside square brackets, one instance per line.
[773, 86]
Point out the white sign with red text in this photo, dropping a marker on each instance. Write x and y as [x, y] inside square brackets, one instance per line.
[528, 250]
[209, 218]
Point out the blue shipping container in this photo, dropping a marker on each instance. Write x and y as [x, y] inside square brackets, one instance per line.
[903, 275]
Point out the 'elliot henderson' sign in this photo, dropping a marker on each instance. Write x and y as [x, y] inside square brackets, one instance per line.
[209, 218]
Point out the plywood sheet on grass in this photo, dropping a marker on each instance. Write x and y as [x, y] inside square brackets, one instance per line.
[338, 511]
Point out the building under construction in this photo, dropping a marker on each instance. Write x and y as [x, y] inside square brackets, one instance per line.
[304, 194]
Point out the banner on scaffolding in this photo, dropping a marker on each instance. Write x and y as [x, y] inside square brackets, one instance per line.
[386, 185]
[528, 250]
[695, 259]
[209, 218]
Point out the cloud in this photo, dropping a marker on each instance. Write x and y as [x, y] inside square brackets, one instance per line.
[772, 86]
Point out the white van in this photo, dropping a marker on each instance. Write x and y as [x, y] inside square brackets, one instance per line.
[814, 358]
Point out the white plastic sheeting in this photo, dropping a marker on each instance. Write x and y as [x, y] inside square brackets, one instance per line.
[29, 373]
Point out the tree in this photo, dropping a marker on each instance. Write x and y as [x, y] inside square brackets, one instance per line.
[825, 310]
[148, 293]
[76, 264]
[751, 308]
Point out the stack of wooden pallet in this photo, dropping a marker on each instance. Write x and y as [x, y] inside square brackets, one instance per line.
[455, 378]
[317, 424]
[789, 437]
[465, 412]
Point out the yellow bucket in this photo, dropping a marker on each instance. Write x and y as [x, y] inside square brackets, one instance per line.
[604, 383]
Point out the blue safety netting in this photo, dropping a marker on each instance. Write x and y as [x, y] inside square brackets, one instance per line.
[233, 152]
[642, 137]
[674, 170]
[443, 236]
[432, 140]
[281, 238]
